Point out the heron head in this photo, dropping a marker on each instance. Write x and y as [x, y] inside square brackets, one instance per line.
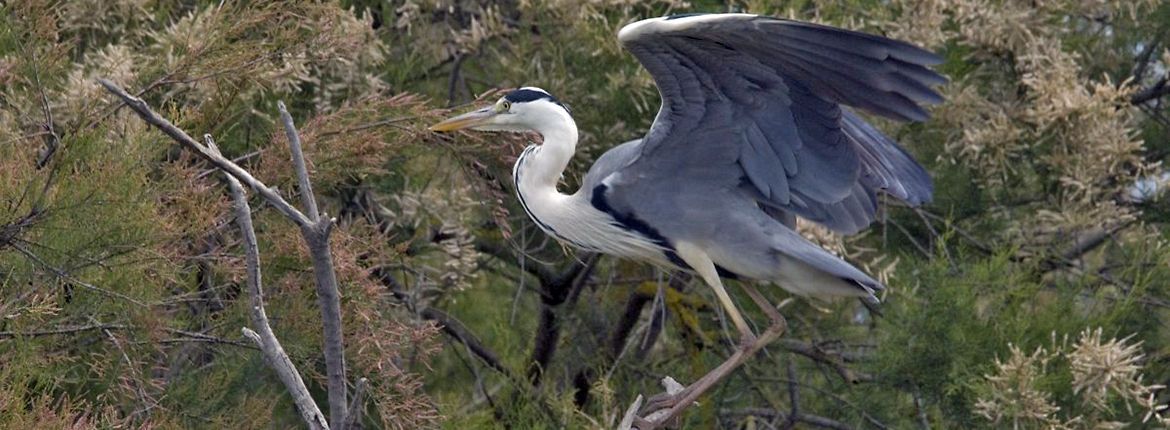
[525, 109]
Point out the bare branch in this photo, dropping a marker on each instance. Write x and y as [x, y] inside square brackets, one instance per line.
[298, 158]
[265, 338]
[316, 235]
[1147, 54]
[146, 401]
[816, 354]
[448, 324]
[68, 277]
[793, 396]
[315, 232]
[61, 330]
[1157, 90]
[53, 140]
[143, 110]
[353, 418]
[548, 330]
[329, 299]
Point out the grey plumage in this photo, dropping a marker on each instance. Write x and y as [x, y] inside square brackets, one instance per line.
[751, 117]
[753, 132]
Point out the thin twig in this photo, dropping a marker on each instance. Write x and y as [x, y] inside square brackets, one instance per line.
[137, 378]
[447, 323]
[61, 330]
[391, 121]
[68, 277]
[54, 140]
[793, 396]
[353, 418]
[816, 354]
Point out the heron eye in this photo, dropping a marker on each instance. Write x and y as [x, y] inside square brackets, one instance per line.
[505, 106]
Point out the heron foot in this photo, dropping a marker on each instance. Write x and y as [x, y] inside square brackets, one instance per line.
[747, 340]
[664, 409]
[657, 411]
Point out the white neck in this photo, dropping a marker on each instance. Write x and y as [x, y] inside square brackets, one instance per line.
[543, 168]
[571, 218]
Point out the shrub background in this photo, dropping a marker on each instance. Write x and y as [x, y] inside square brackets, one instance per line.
[1032, 292]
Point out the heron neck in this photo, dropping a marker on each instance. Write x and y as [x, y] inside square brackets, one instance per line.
[548, 163]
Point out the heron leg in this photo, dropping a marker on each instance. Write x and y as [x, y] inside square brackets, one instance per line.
[779, 324]
[702, 264]
[663, 409]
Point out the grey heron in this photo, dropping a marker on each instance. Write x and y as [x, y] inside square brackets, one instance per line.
[754, 130]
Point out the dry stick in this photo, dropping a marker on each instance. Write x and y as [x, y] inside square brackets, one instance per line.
[316, 235]
[298, 157]
[61, 273]
[61, 330]
[264, 337]
[314, 231]
[353, 418]
[143, 110]
[656, 418]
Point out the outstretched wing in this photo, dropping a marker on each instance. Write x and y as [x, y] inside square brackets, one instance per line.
[758, 100]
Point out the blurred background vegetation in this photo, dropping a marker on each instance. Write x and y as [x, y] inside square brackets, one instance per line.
[1032, 293]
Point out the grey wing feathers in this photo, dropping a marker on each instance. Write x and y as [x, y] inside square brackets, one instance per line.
[768, 93]
[885, 165]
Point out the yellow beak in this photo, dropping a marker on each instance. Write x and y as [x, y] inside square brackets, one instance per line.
[467, 120]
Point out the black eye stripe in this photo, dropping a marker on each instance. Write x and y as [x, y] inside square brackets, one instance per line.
[526, 95]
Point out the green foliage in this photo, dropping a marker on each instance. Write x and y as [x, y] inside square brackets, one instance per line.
[120, 276]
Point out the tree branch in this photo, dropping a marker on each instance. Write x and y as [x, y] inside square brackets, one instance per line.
[143, 110]
[61, 330]
[298, 158]
[816, 354]
[315, 231]
[263, 336]
[548, 330]
[448, 324]
[1157, 90]
[316, 235]
[353, 417]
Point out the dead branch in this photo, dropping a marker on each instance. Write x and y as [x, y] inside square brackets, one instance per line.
[60, 273]
[353, 418]
[793, 397]
[1155, 91]
[263, 336]
[448, 324]
[316, 235]
[186, 336]
[817, 354]
[548, 330]
[53, 140]
[147, 114]
[61, 330]
[315, 230]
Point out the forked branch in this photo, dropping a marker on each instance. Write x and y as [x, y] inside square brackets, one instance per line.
[315, 229]
[263, 336]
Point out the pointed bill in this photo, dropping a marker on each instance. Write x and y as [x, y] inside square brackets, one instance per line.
[467, 120]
